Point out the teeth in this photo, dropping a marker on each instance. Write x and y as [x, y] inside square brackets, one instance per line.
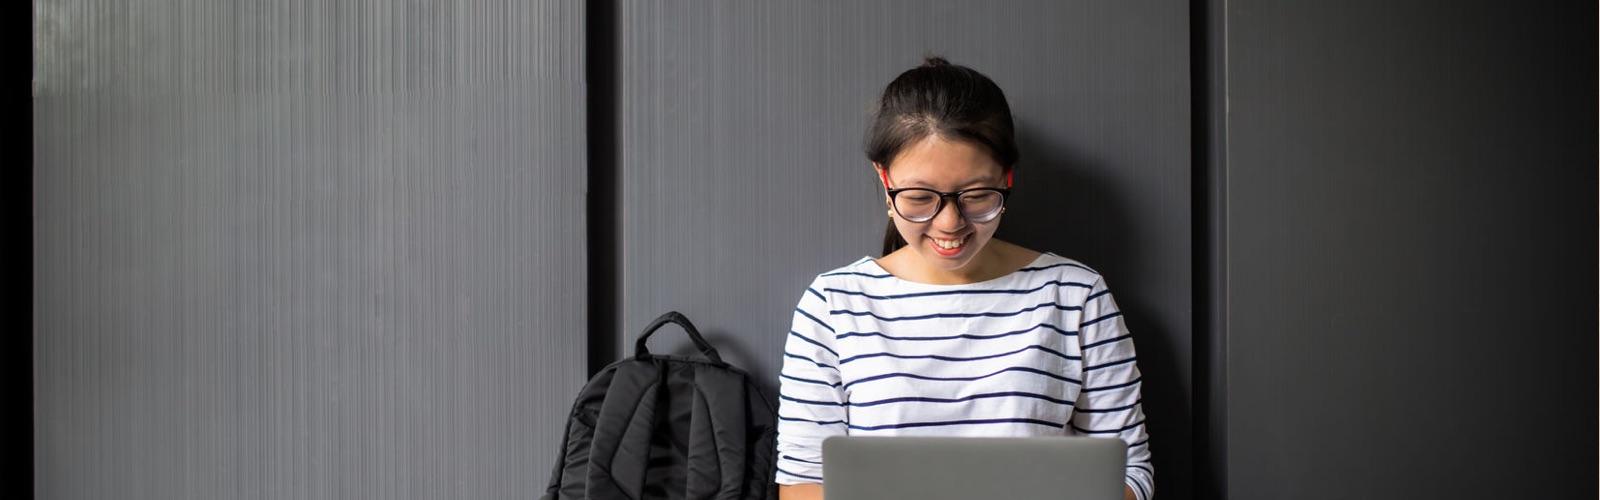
[947, 244]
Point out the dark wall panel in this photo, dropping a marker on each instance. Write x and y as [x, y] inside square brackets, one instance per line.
[306, 250]
[1410, 241]
[742, 172]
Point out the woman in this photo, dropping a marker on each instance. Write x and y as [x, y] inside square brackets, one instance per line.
[953, 332]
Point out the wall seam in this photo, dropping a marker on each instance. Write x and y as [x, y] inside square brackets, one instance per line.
[602, 202]
[1208, 101]
[18, 100]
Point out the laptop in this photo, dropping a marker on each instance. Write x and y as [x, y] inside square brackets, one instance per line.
[964, 468]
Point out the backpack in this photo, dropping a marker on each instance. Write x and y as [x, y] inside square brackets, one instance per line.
[659, 426]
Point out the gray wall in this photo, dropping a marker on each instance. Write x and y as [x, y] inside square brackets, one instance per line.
[1409, 240]
[308, 250]
[343, 249]
[743, 176]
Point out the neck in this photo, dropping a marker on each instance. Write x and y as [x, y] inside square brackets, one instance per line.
[987, 265]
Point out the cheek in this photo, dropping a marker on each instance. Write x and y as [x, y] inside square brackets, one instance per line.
[988, 229]
[985, 232]
[907, 231]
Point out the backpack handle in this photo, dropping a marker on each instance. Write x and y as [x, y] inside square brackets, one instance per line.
[641, 352]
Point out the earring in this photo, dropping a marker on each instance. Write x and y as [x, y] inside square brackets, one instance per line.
[890, 213]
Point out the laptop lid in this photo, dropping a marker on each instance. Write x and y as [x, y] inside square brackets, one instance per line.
[964, 468]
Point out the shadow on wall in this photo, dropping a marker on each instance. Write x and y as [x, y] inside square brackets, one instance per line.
[1060, 205]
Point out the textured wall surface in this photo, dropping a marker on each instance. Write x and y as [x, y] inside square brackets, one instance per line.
[306, 250]
[1408, 248]
[338, 249]
[743, 176]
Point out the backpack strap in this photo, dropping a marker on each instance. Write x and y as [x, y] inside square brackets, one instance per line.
[552, 491]
[717, 436]
[621, 448]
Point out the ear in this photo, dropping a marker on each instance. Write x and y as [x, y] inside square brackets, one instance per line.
[881, 174]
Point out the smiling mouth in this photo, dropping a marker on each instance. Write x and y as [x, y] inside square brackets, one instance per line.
[947, 244]
[948, 247]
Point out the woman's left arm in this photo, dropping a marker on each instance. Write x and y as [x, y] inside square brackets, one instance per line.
[1109, 403]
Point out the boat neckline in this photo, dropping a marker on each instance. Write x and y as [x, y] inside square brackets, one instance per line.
[869, 261]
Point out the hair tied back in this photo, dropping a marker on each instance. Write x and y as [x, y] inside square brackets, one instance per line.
[945, 100]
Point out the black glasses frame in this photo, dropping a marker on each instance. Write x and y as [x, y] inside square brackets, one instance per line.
[1005, 193]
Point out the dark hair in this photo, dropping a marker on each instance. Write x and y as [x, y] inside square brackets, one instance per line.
[941, 99]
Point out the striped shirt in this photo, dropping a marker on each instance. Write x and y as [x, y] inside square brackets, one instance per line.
[1042, 351]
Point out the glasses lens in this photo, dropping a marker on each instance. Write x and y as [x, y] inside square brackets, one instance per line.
[916, 204]
[981, 206]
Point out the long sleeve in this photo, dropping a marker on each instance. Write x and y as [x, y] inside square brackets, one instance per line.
[811, 403]
[1109, 404]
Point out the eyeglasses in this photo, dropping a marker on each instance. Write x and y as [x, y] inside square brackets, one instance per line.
[976, 204]
[981, 204]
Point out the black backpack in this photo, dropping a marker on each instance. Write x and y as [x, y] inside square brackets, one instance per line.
[658, 426]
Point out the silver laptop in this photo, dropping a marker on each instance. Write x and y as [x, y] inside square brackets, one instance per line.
[964, 468]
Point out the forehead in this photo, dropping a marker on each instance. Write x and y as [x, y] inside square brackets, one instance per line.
[935, 161]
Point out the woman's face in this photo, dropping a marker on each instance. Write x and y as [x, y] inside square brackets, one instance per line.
[944, 165]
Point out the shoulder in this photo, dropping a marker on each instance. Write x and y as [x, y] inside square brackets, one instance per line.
[1074, 278]
[1045, 263]
[845, 277]
[1065, 269]
[862, 268]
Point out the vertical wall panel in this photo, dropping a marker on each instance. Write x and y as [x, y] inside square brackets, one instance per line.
[743, 176]
[1409, 237]
[306, 249]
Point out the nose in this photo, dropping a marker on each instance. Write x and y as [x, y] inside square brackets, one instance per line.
[949, 219]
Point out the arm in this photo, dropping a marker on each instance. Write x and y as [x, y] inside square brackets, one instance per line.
[811, 401]
[1109, 404]
[811, 491]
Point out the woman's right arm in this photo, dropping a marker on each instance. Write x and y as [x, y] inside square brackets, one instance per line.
[810, 491]
[811, 404]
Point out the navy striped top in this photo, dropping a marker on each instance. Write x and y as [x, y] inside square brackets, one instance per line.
[1038, 352]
